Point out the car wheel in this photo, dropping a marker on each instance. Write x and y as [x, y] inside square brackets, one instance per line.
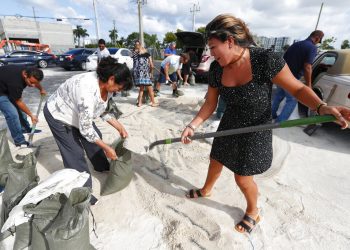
[83, 65]
[42, 64]
[67, 68]
[2, 64]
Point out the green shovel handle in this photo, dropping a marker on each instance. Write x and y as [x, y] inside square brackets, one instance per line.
[307, 121]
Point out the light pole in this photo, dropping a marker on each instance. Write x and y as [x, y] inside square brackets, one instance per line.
[96, 20]
[139, 7]
[195, 9]
[37, 26]
[319, 15]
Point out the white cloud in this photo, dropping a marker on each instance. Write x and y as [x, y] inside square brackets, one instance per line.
[293, 18]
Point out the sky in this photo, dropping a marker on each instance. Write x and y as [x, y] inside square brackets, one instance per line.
[271, 18]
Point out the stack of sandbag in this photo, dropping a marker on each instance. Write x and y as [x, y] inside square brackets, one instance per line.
[46, 219]
[5, 157]
[59, 222]
[21, 178]
[120, 173]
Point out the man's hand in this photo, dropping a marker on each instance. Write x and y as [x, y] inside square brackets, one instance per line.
[34, 119]
[43, 92]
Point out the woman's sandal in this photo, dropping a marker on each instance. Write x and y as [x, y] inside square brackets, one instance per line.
[195, 193]
[243, 227]
[156, 104]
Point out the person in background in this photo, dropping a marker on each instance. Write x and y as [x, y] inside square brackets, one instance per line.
[170, 50]
[243, 76]
[170, 68]
[143, 72]
[13, 80]
[70, 112]
[102, 50]
[299, 57]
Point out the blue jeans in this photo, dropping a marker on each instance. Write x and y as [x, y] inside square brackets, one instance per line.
[220, 110]
[14, 119]
[288, 108]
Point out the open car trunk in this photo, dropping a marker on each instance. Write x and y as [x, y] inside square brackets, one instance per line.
[193, 43]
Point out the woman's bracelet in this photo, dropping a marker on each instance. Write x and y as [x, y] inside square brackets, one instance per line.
[191, 127]
[319, 107]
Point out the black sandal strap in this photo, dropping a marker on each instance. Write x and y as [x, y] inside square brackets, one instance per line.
[249, 219]
[198, 191]
[245, 226]
[191, 193]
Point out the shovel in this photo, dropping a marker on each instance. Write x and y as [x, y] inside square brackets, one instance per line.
[309, 130]
[268, 126]
[21, 157]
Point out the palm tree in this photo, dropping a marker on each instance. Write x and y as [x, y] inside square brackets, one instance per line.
[78, 33]
[113, 34]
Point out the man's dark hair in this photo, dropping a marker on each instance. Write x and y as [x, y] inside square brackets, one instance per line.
[109, 66]
[102, 41]
[35, 72]
[317, 33]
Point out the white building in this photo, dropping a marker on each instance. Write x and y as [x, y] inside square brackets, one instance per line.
[275, 43]
[59, 36]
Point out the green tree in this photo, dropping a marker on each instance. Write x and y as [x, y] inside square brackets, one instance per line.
[151, 40]
[121, 42]
[131, 39]
[201, 30]
[345, 44]
[326, 44]
[169, 38]
[78, 33]
[113, 35]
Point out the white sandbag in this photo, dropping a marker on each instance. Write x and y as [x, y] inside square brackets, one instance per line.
[62, 181]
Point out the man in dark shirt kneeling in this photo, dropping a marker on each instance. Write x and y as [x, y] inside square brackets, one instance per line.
[13, 80]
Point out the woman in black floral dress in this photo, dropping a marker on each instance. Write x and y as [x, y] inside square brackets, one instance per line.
[243, 76]
[143, 72]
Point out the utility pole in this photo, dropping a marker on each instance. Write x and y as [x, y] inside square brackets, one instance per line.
[3, 23]
[319, 15]
[139, 6]
[114, 34]
[37, 26]
[195, 9]
[96, 20]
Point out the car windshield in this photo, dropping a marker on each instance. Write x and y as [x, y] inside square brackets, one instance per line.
[112, 50]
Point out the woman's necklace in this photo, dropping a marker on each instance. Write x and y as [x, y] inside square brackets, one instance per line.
[238, 58]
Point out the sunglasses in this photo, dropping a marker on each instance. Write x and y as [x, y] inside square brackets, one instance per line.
[221, 34]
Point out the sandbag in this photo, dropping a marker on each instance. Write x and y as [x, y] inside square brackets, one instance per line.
[22, 177]
[61, 181]
[120, 173]
[5, 157]
[59, 222]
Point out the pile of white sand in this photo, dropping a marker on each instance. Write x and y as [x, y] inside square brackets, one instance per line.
[304, 198]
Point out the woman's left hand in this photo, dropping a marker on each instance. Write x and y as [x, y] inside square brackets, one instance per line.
[341, 113]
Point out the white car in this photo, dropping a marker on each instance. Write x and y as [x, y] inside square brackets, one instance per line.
[331, 77]
[122, 55]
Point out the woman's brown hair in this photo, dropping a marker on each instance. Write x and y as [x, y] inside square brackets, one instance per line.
[231, 26]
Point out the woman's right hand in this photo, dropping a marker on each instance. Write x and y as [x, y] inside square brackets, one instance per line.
[188, 132]
[110, 153]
